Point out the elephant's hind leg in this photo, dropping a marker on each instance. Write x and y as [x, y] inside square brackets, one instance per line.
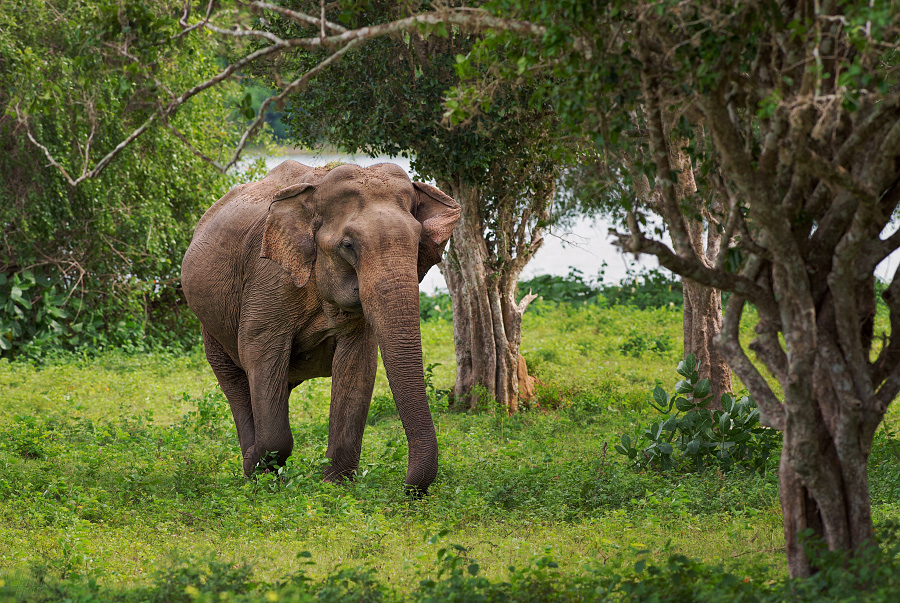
[236, 387]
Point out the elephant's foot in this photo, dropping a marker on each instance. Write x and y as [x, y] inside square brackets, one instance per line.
[251, 459]
[336, 476]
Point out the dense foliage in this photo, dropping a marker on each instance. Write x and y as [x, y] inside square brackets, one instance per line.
[96, 265]
[651, 288]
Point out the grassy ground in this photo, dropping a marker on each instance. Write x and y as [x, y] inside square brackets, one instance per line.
[111, 466]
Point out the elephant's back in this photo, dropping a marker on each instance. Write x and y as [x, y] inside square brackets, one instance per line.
[225, 250]
[244, 204]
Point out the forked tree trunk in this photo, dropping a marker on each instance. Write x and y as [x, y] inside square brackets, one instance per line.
[823, 479]
[702, 319]
[487, 321]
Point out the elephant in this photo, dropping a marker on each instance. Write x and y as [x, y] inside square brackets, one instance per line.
[307, 273]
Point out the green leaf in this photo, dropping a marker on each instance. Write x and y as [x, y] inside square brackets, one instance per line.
[725, 421]
[687, 366]
[626, 440]
[473, 569]
[701, 390]
[684, 387]
[727, 402]
[683, 404]
[661, 397]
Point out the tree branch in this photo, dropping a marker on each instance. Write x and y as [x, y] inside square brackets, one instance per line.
[771, 409]
[343, 41]
[693, 269]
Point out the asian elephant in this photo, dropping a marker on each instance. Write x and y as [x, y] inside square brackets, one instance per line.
[306, 273]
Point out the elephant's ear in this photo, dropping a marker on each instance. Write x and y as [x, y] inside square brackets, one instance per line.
[438, 214]
[288, 234]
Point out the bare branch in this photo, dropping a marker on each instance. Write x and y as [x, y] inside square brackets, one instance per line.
[299, 17]
[23, 120]
[343, 41]
[297, 84]
[237, 32]
[694, 269]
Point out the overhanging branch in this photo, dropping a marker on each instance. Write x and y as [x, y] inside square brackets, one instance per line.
[339, 43]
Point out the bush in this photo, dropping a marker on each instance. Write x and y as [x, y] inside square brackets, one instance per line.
[693, 437]
[570, 289]
[435, 307]
[650, 288]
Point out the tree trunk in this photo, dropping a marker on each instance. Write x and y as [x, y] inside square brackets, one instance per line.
[702, 323]
[823, 478]
[487, 321]
[702, 319]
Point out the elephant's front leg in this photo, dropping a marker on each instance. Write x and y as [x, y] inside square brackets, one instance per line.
[266, 359]
[352, 380]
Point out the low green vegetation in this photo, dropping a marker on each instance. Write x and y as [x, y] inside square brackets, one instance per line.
[121, 478]
[691, 437]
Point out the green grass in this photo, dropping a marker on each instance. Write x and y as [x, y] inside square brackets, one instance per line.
[112, 465]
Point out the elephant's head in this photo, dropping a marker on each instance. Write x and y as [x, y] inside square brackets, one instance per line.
[369, 235]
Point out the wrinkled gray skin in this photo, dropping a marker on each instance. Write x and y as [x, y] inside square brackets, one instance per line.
[304, 274]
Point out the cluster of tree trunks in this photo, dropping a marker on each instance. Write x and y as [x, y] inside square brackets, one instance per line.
[487, 319]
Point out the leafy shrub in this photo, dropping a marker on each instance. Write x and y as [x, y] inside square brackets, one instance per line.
[872, 575]
[438, 399]
[185, 580]
[436, 306]
[31, 310]
[570, 289]
[651, 288]
[722, 438]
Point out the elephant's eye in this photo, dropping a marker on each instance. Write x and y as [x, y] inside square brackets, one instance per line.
[347, 244]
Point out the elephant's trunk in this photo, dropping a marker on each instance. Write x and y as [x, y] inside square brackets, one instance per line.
[391, 305]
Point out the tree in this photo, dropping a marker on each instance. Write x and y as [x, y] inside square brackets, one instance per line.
[98, 263]
[617, 172]
[386, 98]
[793, 110]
